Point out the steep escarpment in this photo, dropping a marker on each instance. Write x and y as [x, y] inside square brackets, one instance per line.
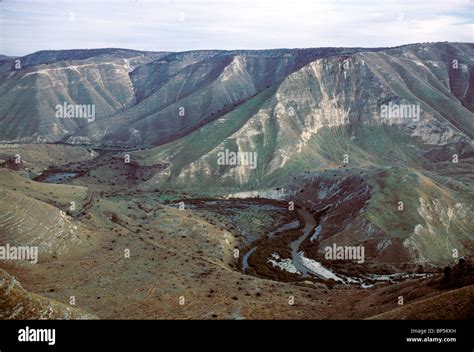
[146, 99]
[33, 86]
[198, 94]
[329, 113]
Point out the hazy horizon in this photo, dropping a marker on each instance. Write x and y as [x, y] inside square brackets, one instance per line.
[234, 49]
[172, 25]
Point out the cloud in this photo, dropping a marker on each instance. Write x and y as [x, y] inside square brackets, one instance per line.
[175, 25]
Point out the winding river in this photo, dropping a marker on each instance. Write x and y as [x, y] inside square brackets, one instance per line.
[306, 266]
[310, 225]
[245, 260]
[303, 265]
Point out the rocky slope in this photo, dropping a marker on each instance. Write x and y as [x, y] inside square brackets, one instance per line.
[332, 107]
[17, 303]
[32, 86]
[313, 118]
[452, 305]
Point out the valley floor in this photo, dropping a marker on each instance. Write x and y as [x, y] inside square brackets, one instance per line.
[135, 253]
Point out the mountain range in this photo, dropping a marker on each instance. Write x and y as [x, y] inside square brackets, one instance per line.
[376, 144]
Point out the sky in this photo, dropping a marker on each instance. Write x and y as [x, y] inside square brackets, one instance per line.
[179, 25]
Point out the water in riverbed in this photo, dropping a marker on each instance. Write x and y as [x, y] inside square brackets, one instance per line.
[59, 177]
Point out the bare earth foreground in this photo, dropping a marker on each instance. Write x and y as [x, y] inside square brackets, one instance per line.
[127, 250]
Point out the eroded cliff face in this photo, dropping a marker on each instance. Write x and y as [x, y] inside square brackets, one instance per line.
[341, 96]
[145, 99]
[31, 93]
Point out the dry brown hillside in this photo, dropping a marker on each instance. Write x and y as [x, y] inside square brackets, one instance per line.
[17, 303]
